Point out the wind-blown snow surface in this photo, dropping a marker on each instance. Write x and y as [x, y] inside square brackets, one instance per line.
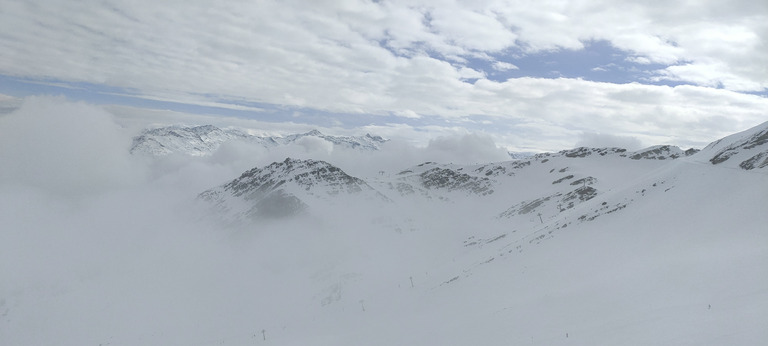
[652, 251]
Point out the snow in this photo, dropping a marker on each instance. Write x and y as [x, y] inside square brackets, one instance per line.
[669, 251]
[206, 139]
[746, 150]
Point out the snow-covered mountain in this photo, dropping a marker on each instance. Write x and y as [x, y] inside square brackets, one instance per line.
[286, 189]
[548, 183]
[204, 140]
[587, 246]
[517, 155]
[583, 246]
[746, 150]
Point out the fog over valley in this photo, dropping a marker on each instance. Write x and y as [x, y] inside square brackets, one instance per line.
[192, 234]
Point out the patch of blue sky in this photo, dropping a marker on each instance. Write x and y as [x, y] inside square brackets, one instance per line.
[763, 93]
[80, 91]
[107, 95]
[598, 61]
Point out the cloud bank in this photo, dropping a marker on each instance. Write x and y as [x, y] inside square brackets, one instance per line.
[401, 61]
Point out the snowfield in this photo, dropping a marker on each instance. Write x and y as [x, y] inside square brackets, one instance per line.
[591, 246]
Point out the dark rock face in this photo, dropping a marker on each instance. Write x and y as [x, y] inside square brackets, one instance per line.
[584, 193]
[658, 153]
[430, 176]
[277, 204]
[443, 178]
[584, 181]
[558, 181]
[558, 200]
[283, 189]
[758, 160]
[755, 161]
[584, 152]
[507, 168]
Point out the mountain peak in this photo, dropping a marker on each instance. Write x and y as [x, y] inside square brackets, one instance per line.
[287, 188]
[747, 150]
[205, 139]
[661, 152]
[314, 132]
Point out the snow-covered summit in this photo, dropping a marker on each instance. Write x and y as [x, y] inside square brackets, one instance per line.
[367, 142]
[661, 152]
[193, 141]
[204, 140]
[656, 152]
[286, 188]
[746, 150]
[431, 176]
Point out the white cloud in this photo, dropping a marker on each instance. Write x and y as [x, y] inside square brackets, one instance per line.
[300, 54]
[470, 148]
[407, 113]
[602, 140]
[504, 66]
[69, 148]
[408, 58]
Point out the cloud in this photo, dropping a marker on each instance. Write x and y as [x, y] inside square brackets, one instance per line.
[352, 56]
[63, 147]
[601, 140]
[504, 66]
[407, 113]
[466, 149]
[409, 59]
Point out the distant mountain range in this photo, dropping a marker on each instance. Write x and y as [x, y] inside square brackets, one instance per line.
[204, 140]
[547, 184]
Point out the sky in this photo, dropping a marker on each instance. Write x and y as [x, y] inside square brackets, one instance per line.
[531, 75]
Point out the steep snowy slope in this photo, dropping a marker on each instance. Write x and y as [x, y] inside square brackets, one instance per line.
[584, 246]
[676, 265]
[287, 188]
[661, 152]
[746, 150]
[526, 189]
[204, 140]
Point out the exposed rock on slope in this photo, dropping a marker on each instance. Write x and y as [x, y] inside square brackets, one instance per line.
[286, 188]
[661, 152]
[747, 150]
[436, 177]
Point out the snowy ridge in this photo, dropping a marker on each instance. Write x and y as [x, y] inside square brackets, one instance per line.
[661, 152]
[285, 189]
[442, 177]
[656, 152]
[548, 184]
[747, 150]
[544, 186]
[193, 141]
[204, 140]
[520, 155]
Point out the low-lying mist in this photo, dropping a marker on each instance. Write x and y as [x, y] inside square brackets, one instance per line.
[99, 244]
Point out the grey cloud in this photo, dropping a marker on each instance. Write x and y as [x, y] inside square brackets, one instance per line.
[68, 148]
[601, 140]
[386, 57]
